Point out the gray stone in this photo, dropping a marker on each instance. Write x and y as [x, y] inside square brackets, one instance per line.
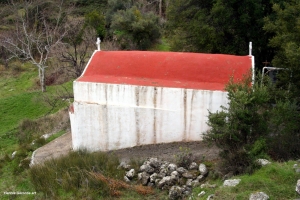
[200, 178]
[130, 174]
[163, 168]
[295, 166]
[186, 190]
[144, 178]
[298, 186]
[202, 193]
[172, 167]
[153, 177]
[231, 182]
[210, 197]
[175, 173]
[195, 183]
[154, 162]
[13, 154]
[126, 179]
[263, 162]
[207, 185]
[147, 168]
[189, 182]
[124, 165]
[181, 170]
[175, 193]
[193, 166]
[167, 180]
[139, 176]
[203, 169]
[259, 196]
[187, 175]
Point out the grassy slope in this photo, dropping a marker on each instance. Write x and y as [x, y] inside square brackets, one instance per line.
[277, 180]
[20, 98]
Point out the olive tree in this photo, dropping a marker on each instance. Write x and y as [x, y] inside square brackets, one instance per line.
[38, 28]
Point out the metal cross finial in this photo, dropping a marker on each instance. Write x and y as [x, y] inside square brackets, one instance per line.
[98, 44]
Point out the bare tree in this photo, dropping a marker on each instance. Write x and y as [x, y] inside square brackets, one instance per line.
[76, 49]
[38, 30]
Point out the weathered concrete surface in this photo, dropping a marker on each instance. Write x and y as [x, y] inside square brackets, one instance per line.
[59, 147]
[110, 116]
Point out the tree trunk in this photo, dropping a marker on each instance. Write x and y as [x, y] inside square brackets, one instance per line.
[42, 78]
[160, 9]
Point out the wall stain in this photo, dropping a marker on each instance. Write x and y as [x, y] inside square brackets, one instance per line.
[154, 114]
[137, 123]
[184, 115]
[191, 111]
[106, 128]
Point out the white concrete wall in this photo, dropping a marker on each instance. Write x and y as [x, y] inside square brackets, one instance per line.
[111, 116]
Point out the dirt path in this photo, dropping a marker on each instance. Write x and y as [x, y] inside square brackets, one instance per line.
[170, 152]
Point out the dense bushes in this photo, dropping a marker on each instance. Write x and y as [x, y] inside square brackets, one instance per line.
[251, 127]
[135, 30]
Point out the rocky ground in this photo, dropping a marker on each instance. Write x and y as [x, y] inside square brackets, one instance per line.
[169, 152]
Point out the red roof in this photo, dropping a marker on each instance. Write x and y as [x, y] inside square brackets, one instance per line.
[166, 69]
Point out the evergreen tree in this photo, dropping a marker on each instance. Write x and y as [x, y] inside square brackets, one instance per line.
[284, 24]
[219, 26]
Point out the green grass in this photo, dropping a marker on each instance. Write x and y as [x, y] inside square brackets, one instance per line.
[54, 136]
[277, 180]
[73, 177]
[163, 45]
[21, 98]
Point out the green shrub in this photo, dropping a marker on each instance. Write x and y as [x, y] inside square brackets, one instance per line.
[238, 129]
[284, 138]
[134, 29]
[184, 158]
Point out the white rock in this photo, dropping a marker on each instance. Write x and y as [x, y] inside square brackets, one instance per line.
[13, 154]
[130, 174]
[124, 165]
[259, 196]
[231, 182]
[210, 197]
[203, 169]
[126, 179]
[172, 167]
[263, 162]
[200, 178]
[298, 186]
[175, 173]
[153, 177]
[207, 185]
[202, 193]
[295, 166]
[193, 165]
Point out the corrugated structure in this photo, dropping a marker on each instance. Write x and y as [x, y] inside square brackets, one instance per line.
[130, 98]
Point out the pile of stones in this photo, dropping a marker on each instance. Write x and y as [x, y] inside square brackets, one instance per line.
[164, 175]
